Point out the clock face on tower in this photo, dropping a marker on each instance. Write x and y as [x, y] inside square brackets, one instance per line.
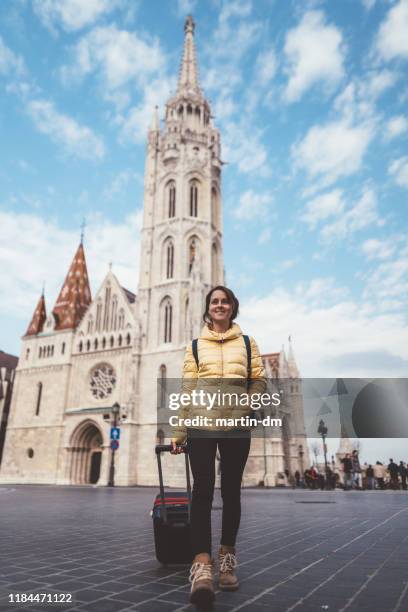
[102, 380]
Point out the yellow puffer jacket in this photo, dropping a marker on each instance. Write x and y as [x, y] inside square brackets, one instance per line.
[220, 356]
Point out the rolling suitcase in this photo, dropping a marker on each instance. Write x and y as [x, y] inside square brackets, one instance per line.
[171, 518]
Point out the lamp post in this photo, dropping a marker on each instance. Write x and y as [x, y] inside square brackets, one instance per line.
[301, 453]
[322, 430]
[115, 412]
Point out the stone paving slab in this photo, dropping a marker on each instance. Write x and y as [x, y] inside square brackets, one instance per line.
[297, 550]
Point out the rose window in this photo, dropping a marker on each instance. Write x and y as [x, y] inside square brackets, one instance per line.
[103, 380]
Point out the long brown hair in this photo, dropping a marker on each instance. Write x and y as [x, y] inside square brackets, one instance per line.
[232, 299]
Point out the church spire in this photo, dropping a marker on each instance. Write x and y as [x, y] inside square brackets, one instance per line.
[75, 295]
[38, 318]
[283, 364]
[188, 76]
[292, 367]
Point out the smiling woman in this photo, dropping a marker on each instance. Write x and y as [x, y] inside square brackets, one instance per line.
[221, 351]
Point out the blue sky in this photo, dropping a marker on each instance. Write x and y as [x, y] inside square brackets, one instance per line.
[311, 101]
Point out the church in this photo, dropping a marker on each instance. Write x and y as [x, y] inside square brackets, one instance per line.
[91, 363]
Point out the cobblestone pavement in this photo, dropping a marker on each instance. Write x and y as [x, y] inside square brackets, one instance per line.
[297, 550]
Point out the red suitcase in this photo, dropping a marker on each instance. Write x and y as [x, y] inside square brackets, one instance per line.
[171, 517]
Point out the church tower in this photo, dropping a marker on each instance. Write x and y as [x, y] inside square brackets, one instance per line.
[181, 245]
[181, 252]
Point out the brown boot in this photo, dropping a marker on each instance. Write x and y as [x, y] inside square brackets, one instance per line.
[201, 578]
[228, 580]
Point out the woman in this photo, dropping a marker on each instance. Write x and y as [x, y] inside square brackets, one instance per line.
[222, 353]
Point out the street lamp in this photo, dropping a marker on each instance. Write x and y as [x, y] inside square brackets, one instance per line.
[301, 453]
[115, 412]
[322, 430]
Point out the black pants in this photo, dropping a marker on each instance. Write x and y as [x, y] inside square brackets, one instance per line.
[234, 454]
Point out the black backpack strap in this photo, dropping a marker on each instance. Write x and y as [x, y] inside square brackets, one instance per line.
[249, 354]
[194, 347]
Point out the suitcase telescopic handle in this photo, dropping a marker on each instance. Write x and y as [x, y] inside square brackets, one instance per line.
[167, 448]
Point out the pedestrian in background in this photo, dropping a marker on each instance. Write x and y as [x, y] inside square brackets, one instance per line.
[394, 472]
[370, 477]
[403, 472]
[347, 471]
[356, 470]
[379, 474]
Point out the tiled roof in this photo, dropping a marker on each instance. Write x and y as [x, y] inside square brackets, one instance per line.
[38, 320]
[75, 295]
[130, 296]
[8, 361]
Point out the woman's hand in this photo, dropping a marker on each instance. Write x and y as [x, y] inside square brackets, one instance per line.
[177, 448]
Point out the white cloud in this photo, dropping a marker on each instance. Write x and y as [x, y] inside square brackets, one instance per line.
[242, 146]
[323, 206]
[134, 122]
[76, 139]
[327, 330]
[378, 249]
[314, 53]
[356, 102]
[120, 184]
[368, 4]
[395, 127]
[235, 9]
[119, 57]
[387, 283]
[10, 63]
[333, 149]
[253, 205]
[29, 241]
[398, 169]
[357, 217]
[265, 67]
[72, 15]
[377, 82]
[392, 37]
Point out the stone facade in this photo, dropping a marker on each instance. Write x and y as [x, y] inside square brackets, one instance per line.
[87, 355]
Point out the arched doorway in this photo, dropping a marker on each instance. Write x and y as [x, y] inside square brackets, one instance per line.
[86, 454]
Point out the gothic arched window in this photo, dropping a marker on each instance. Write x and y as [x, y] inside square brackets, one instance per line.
[114, 317]
[192, 253]
[107, 308]
[98, 315]
[193, 198]
[121, 319]
[171, 199]
[166, 315]
[169, 259]
[90, 324]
